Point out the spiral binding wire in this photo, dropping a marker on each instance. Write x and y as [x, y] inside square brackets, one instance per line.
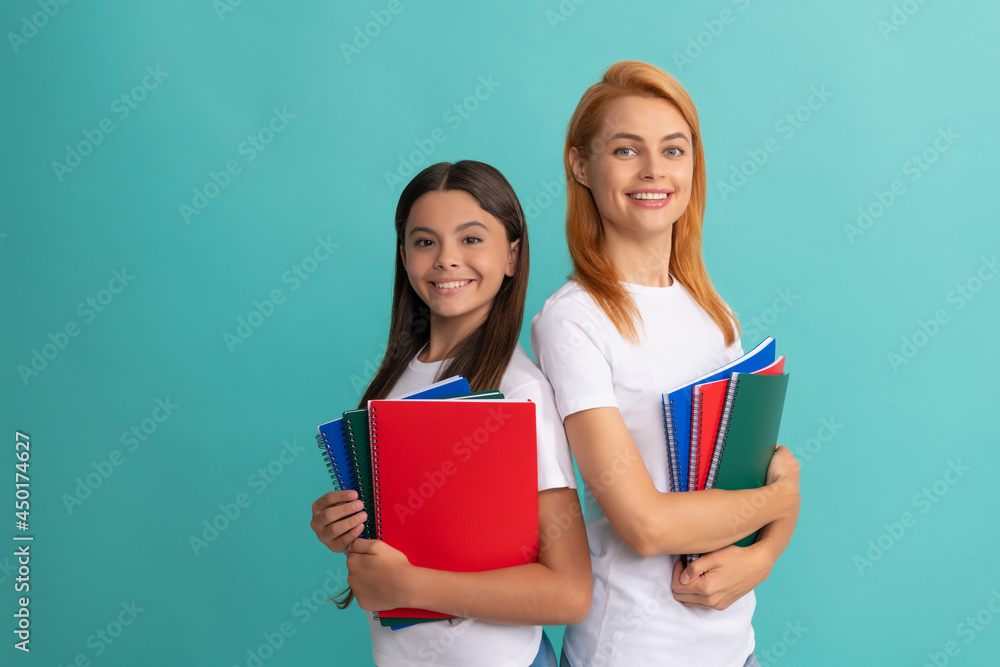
[695, 456]
[353, 450]
[720, 441]
[668, 421]
[330, 460]
[373, 438]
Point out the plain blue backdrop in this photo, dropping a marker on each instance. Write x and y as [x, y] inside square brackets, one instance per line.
[196, 251]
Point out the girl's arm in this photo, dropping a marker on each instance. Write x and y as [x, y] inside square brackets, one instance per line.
[652, 522]
[554, 591]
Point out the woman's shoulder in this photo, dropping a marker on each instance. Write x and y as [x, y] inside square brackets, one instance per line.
[569, 301]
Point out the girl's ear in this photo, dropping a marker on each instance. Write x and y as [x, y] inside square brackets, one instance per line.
[402, 255]
[512, 258]
[578, 164]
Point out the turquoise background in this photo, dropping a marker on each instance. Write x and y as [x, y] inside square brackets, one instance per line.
[857, 588]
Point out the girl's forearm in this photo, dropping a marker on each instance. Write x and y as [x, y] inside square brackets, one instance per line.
[529, 594]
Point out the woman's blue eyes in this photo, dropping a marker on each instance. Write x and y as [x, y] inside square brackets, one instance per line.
[672, 152]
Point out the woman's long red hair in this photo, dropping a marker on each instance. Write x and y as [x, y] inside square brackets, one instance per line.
[584, 231]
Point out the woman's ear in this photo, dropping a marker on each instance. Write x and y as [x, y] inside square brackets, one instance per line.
[512, 258]
[402, 256]
[578, 164]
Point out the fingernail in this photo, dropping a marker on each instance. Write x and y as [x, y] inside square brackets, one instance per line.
[685, 577]
[359, 505]
[362, 516]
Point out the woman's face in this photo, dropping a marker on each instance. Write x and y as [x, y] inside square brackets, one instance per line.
[640, 165]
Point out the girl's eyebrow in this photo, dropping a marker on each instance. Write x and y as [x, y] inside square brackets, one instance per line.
[462, 227]
[633, 137]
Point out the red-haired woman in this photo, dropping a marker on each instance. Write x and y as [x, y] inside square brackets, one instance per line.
[638, 317]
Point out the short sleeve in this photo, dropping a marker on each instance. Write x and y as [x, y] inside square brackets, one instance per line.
[555, 463]
[568, 346]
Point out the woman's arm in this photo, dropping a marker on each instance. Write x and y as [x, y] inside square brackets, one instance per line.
[652, 522]
[554, 591]
[722, 577]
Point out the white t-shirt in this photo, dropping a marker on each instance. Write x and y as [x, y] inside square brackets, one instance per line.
[634, 618]
[462, 642]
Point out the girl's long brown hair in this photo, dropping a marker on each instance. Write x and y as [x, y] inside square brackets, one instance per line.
[484, 354]
[584, 230]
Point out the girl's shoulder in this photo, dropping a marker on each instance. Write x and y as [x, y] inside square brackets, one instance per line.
[522, 374]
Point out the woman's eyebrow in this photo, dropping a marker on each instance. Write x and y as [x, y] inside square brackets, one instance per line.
[634, 137]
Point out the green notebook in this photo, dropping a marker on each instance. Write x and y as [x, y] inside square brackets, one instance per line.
[748, 432]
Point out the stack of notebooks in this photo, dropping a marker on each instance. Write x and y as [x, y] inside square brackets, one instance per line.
[432, 467]
[722, 427]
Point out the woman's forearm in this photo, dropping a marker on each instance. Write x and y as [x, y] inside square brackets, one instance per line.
[702, 521]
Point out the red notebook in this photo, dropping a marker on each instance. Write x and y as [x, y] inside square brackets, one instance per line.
[456, 484]
[707, 403]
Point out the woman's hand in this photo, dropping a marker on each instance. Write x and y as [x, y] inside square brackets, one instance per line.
[720, 578]
[336, 519]
[783, 466]
[379, 575]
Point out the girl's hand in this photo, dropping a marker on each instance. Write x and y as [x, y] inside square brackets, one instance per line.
[335, 521]
[379, 575]
[720, 578]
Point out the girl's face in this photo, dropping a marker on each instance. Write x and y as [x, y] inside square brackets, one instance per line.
[641, 165]
[456, 256]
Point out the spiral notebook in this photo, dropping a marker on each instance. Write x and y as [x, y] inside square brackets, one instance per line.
[706, 413]
[341, 440]
[677, 410]
[442, 469]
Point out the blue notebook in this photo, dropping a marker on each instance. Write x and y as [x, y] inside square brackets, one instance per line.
[677, 410]
[332, 436]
